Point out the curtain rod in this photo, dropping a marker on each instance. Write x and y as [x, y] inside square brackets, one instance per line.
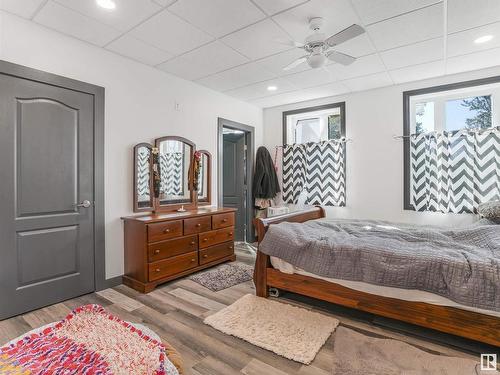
[493, 129]
[342, 140]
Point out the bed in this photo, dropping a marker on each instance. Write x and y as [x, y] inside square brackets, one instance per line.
[420, 307]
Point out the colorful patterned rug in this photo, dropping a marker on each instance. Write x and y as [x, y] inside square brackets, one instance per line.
[87, 341]
[224, 276]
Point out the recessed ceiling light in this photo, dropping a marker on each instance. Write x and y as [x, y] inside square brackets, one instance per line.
[106, 4]
[483, 39]
[272, 88]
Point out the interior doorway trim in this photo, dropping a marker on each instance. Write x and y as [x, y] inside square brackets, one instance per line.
[250, 142]
[23, 72]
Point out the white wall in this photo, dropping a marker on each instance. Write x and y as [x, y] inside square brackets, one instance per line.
[374, 158]
[139, 107]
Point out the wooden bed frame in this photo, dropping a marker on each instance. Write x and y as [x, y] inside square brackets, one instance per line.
[471, 325]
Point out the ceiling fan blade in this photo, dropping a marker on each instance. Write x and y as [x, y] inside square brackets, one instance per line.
[296, 63]
[290, 43]
[345, 35]
[340, 58]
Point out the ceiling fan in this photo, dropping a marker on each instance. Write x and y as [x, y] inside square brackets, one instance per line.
[319, 47]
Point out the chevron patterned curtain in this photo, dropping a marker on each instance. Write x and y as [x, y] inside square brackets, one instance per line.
[454, 172]
[172, 171]
[318, 168]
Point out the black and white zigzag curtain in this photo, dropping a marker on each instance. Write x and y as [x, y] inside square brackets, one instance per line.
[171, 170]
[454, 172]
[143, 174]
[319, 169]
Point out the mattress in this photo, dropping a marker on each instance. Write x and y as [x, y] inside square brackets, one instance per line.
[411, 295]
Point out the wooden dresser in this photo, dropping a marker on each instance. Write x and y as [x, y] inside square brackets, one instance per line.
[162, 247]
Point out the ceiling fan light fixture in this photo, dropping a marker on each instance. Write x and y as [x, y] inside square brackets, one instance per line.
[316, 60]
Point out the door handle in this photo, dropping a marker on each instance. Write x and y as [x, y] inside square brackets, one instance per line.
[85, 204]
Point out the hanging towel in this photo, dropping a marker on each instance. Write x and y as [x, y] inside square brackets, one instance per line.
[265, 181]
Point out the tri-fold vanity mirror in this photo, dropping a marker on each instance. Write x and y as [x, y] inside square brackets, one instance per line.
[171, 174]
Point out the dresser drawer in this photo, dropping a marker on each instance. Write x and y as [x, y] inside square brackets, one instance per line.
[164, 230]
[170, 248]
[197, 225]
[223, 220]
[216, 252]
[172, 266]
[216, 236]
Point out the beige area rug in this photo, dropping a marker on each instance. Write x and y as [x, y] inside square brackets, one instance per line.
[359, 354]
[292, 332]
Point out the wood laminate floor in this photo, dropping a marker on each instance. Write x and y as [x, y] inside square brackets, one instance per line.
[175, 311]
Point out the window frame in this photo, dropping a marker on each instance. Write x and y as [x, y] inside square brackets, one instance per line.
[407, 123]
[339, 105]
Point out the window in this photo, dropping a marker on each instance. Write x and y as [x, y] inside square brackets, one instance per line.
[314, 155]
[314, 124]
[451, 142]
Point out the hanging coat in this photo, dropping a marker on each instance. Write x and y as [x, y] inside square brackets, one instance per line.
[265, 180]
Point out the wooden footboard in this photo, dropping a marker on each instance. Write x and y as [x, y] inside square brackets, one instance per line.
[471, 325]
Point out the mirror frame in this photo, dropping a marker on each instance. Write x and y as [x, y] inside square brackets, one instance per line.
[151, 207]
[192, 194]
[208, 200]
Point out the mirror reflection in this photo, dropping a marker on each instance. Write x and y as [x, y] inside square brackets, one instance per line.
[203, 177]
[175, 160]
[143, 198]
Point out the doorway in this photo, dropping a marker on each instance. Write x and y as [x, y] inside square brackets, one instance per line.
[235, 172]
[52, 191]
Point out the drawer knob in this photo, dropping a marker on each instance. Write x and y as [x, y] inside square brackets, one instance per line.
[193, 260]
[224, 220]
[205, 239]
[205, 255]
[230, 234]
[198, 225]
[166, 231]
[230, 247]
[192, 242]
[157, 251]
[157, 270]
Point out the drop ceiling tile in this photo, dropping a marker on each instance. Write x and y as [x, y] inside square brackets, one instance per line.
[237, 77]
[463, 42]
[337, 15]
[165, 3]
[413, 54]
[138, 50]
[276, 63]
[24, 8]
[331, 89]
[359, 46]
[369, 82]
[217, 17]
[409, 28]
[274, 6]
[260, 90]
[363, 66]
[418, 72]
[72, 23]
[258, 40]
[127, 13]
[371, 11]
[466, 14]
[209, 59]
[310, 78]
[170, 33]
[473, 61]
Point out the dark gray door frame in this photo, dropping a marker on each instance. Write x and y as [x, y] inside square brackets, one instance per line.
[250, 142]
[15, 70]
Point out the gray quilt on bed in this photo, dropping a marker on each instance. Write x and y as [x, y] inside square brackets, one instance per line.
[462, 265]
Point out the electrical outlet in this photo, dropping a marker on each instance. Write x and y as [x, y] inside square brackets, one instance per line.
[177, 106]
